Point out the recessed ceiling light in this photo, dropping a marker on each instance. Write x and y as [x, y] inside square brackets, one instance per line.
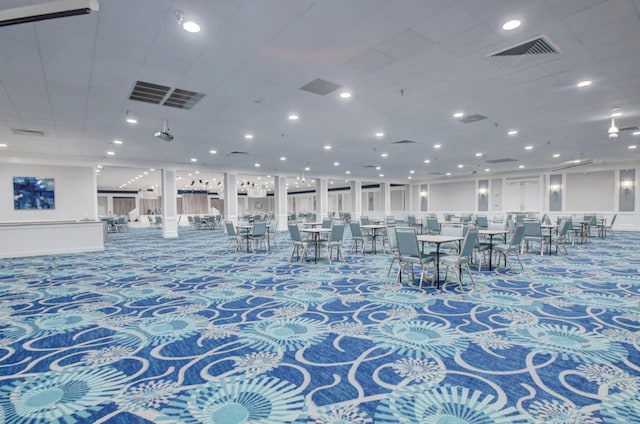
[99, 166]
[409, 178]
[194, 160]
[213, 152]
[379, 134]
[152, 169]
[478, 155]
[336, 163]
[327, 147]
[378, 168]
[306, 168]
[412, 172]
[636, 133]
[437, 146]
[145, 173]
[528, 147]
[616, 114]
[117, 141]
[487, 169]
[633, 146]
[427, 161]
[283, 158]
[381, 175]
[556, 155]
[520, 166]
[257, 165]
[512, 132]
[293, 117]
[248, 136]
[384, 155]
[345, 95]
[511, 25]
[458, 115]
[448, 173]
[585, 83]
[191, 26]
[110, 153]
[460, 165]
[347, 172]
[189, 174]
[131, 120]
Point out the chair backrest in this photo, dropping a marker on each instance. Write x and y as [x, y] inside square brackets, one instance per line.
[150, 219]
[590, 219]
[496, 226]
[469, 242]
[158, 219]
[613, 220]
[326, 223]
[519, 219]
[337, 232]
[407, 242]
[294, 232]
[231, 230]
[411, 220]
[391, 235]
[365, 220]
[532, 229]
[259, 229]
[432, 225]
[482, 222]
[563, 227]
[518, 235]
[356, 231]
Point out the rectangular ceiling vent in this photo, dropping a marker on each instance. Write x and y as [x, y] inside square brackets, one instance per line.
[183, 99]
[404, 142]
[29, 133]
[504, 160]
[538, 47]
[235, 152]
[436, 173]
[370, 166]
[320, 87]
[472, 118]
[148, 92]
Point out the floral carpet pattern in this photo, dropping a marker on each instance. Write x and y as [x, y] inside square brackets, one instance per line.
[188, 331]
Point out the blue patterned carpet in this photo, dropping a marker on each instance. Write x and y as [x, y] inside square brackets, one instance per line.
[186, 331]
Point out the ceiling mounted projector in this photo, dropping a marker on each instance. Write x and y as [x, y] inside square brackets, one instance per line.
[164, 134]
[613, 131]
[44, 11]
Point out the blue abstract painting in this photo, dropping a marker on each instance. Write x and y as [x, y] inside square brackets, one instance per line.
[33, 193]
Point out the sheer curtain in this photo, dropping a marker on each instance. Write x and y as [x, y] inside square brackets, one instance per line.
[123, 205]
[151, 206]
[195, 203]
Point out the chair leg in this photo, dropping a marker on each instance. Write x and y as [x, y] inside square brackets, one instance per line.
[391, 266]
[473, 283]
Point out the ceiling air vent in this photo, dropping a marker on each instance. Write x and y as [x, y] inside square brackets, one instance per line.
[183, 99]
[472, 118]
[370, 166]
[504, 160]
[320, 87]
[29, 133]
[538, 46]
[235, 152]
[404, 142]
[148, 92]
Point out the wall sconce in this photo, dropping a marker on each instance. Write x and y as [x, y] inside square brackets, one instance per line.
[555, 188]
[626, 184]
[482, 191]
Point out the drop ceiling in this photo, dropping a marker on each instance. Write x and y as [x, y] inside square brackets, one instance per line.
[408, 64]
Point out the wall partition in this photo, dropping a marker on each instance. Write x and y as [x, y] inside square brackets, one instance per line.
[590, 191]
[452, 197]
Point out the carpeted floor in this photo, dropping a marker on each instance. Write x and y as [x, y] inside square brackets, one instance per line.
[187, 331]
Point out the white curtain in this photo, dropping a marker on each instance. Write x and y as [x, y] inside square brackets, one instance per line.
[123, 205]
[195, 203]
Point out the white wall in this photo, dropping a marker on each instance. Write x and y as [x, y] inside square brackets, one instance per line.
[452, 197]
[591, 191]
[75, 193]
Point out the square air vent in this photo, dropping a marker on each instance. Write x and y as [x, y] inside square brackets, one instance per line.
[472, 118]
[148, 92]
[504, 160]
[183, 99]
[320, 87]
[404, 142]
[28, 133]
[540, 46]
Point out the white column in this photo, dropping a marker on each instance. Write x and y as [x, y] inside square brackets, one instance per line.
[169, 204]
[95, 192]
[356, 200]
[231, 197]
[280, 201]
[322, 198]
[385, 199]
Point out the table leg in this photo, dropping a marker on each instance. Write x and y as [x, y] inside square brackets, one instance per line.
[438, 265]
[490, 250]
